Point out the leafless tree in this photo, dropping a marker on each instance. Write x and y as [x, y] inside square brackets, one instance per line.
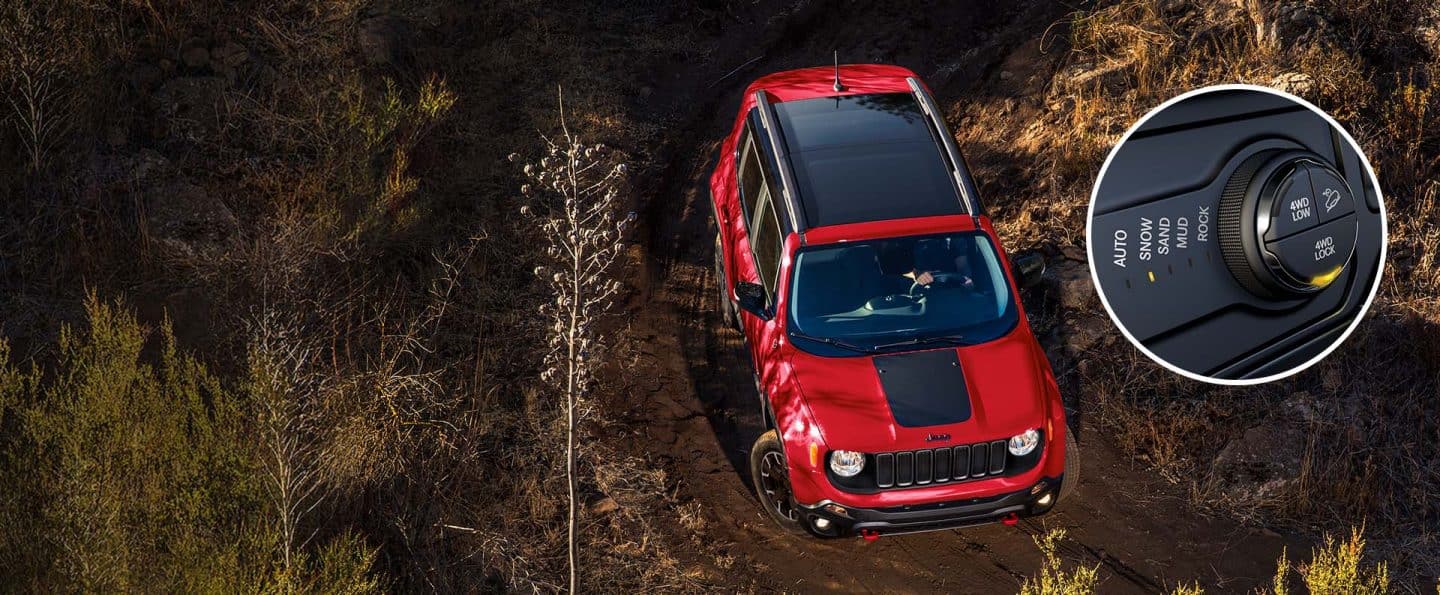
[574, 194]
[35, 81]
[282, 387]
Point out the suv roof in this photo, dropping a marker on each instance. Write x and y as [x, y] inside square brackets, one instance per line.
[864, 158]
[876, 150]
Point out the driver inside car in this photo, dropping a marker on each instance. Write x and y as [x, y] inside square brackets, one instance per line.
[920, 262]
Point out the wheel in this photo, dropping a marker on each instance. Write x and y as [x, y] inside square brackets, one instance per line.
[1072, 468]
[771, 476]
[727, 307]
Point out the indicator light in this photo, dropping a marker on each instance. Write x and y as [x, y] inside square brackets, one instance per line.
[1325, 279]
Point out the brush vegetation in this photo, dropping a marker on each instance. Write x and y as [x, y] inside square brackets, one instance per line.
[1359, 418]
[271, 321]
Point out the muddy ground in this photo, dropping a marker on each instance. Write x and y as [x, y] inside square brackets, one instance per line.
[692, 383]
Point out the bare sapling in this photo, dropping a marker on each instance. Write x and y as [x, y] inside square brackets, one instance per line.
[282, 387]
[574, 195]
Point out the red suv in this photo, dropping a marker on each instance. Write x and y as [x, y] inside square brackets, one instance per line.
[901, 385]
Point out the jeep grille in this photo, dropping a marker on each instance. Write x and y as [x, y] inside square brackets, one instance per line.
[921, 467]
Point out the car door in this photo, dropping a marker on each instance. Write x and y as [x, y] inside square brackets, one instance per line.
[767, 245]
[750, 187]
[759, 258]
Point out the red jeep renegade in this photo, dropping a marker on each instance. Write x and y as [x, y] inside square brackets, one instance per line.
[901, 386]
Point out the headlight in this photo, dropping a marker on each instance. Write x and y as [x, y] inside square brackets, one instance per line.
[847, 463]
[1021, 444]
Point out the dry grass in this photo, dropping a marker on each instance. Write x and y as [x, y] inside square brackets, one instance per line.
[361, 198]
[352, 197]
[1369, 408]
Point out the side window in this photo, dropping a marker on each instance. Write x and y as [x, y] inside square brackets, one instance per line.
[768, 244]
[753, 189]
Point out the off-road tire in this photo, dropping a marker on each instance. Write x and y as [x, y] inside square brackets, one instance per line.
[728, 314]
[768, 445]
[1072, 468]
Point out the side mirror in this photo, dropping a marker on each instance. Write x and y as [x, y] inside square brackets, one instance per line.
[753, 299]
[1030, 267]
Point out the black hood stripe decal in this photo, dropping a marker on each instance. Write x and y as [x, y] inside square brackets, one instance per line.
[925, 388]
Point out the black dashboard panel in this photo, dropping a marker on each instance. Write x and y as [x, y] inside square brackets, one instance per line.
[1221, 242]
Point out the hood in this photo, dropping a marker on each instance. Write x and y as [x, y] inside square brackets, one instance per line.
[913, 400]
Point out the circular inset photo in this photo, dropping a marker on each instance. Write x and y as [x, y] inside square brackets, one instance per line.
[1236, 234]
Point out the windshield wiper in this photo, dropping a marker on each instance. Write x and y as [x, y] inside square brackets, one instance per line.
[832, 342]
[956, 340]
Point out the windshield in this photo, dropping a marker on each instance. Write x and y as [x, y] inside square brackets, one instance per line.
[900, 292]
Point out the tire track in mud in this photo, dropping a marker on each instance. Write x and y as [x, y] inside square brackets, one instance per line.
[702, 414]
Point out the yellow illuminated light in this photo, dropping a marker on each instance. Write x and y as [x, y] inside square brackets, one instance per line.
[1152, 275]
[814, 454]
[1325, 279]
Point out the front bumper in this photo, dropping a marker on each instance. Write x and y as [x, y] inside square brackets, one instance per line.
[834, 520]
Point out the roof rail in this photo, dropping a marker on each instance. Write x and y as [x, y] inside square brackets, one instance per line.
[962, 180]
[782, 158]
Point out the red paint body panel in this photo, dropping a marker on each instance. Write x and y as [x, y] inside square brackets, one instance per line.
[837, 402]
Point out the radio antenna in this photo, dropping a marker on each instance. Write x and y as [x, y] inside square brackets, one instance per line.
[838, 85]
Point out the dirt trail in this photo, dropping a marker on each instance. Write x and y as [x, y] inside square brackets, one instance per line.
[695, 389]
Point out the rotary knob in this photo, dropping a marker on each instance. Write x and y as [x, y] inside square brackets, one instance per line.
[1287, 224]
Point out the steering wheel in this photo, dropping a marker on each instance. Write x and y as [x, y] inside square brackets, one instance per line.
[939, 278]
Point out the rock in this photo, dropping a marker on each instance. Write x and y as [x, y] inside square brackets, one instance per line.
[187, 220]
[196, 57]
[1289, 24]
[1295, 83]
[1428, 29]
[148, 162]
[1264, 461]
[381, 38]
[1176, 6]
[1076, 290]
[122, 173]
[678, 410]
[1084, 334]
[1301, 408]
[227, 59]
[230, 54]
[191, 104]
[603, 506]
[663, 433]
[1110, 75]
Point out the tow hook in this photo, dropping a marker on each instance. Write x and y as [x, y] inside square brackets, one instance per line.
[1011, 520]
[870, 534]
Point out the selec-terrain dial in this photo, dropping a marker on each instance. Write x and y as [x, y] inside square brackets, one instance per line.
[1236, 234]
[1287, 224]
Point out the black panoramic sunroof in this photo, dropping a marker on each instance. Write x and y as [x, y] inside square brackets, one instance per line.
[865, 158]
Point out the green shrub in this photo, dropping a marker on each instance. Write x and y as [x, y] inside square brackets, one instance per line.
[1053, 578]
[1335, 569]
[127, 476]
